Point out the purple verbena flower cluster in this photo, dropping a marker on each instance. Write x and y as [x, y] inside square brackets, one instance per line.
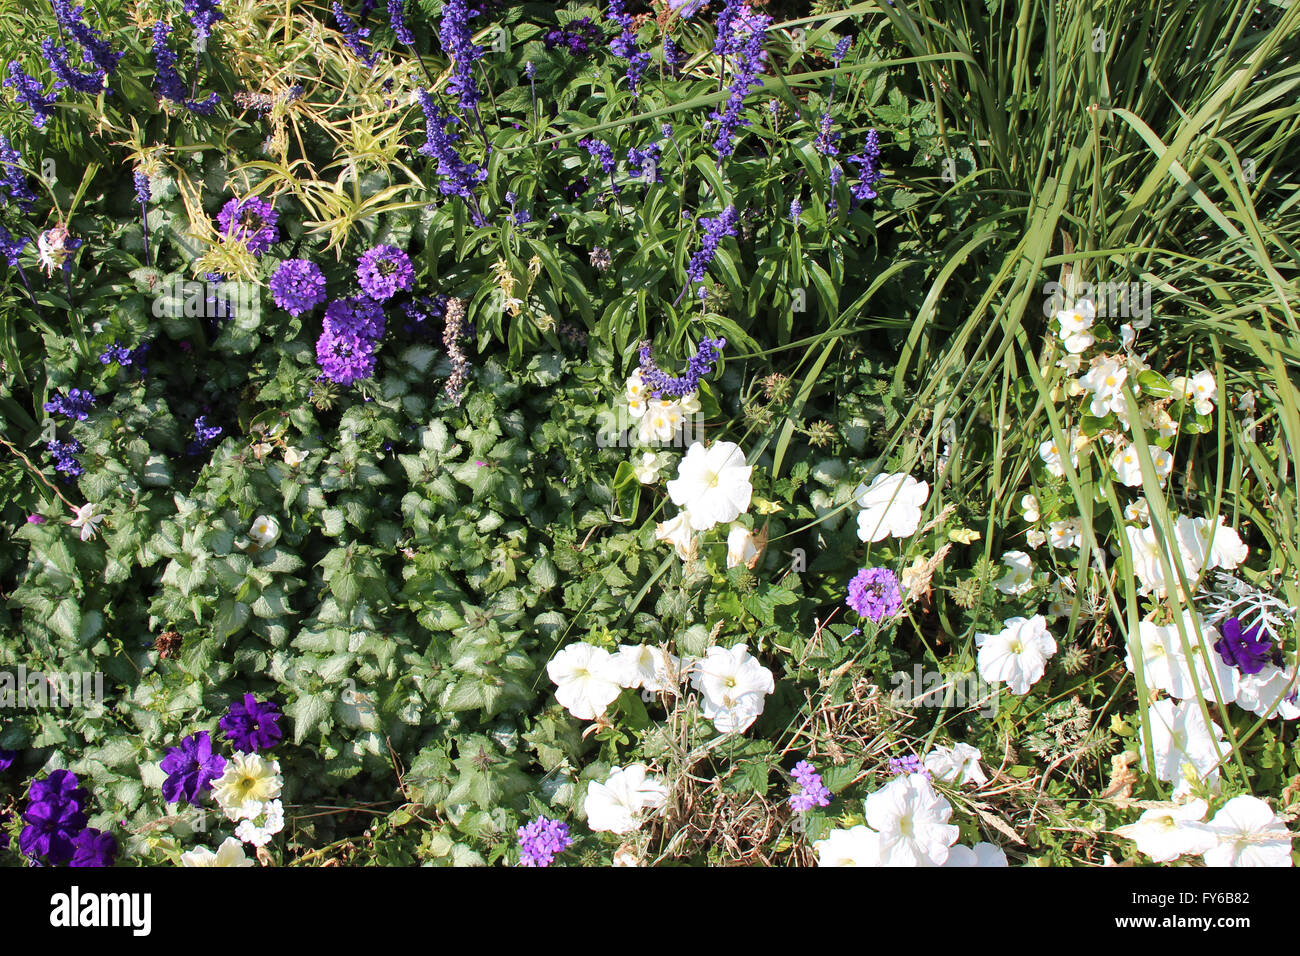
[297, 286]
[624, 45]
[252, 726]
[724, 224]
[252, 222]
[168, 81]
[350, 335]
[384, 271]
[909, 764]
[875, 593]
[30, 92]
[77, 404]
[658, 383]
[541, 840]
[811, 792]
[455, 36]
[190, 769]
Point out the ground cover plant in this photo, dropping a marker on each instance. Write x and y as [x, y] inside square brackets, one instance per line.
[649, 433]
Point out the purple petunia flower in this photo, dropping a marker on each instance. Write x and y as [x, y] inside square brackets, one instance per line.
[811, 792]
[541, 840]
[252, 725]
[725, 224]
[93, 848]
[190, 769]
[297, 286]
[875, 593]
[55, 814]
[30, 92]
[658, 383]
[1248, 651]
[384, 271]
[7, 757]
[167, 80]
[252, 221]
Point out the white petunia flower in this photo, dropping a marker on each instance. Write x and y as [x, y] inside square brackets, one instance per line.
[1018, 655]
[264, 531]
[1180, 736]
[1165, 665]
[712, 484]
[249, 779]
[1163, 834]
[586, 679]
[1270, 693]
[646, 667]
[88, 517]
[912, 821]
[735, 687]
[1149, 567]
[230, 853]
[856, 846]
[679, 533]
[1019, 576]
[981, 854]
[619, 804]
[1248, 833]
[891, 507]
[647, 469]
[958, 765]
[1210, 544]
[742, 547]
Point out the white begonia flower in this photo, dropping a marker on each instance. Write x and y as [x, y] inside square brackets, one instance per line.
[1126, 336]
[679, 533]
[271, 815]
[88, 517]
[1075, 324]
[1017, 655]
[981, 854]
[1067, 533]
[1105, 380]
[891, 507]
[1210, 544]
[293, 457]
[619, 804]
[660, 421]
[586, 679]
[230, 853]
[636, 387]
[647, 468]
[1166, 666]
[1035, 538]
[1163, 463]
[646, 667]
[248, 779]
[1248, 833]
[1138, 510]
[735, 687]
[1071, 363]
[856, 846]
[1020, 573]
[1127, 465]
[690, 403]
[1029, 508]
[264, 531]
[1270, 693]
[636, 408]
[1163, 834]
[1154, 417]
[712, 484]
[1179, 735]
[958, 765]
[742, 547]
[912, 821]
[1050, 453]
[1201, 390]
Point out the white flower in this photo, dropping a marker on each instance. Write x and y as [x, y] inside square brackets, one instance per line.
[647, 469]
[1270, 693]
[857, 846]
[679, 533]
[1179, 735]
[1163, 834]
[271, 814]
[1051, 454]
[1020, 572]
[742, 548]
[635, 386]
[1075, 323]
[1248, 833]
[1105, 380]
[1138, 510]
[586, 679]
[690, 403]
[1165, 666]
[1017, 656]
[88, 516]
[1210, 544]
[1060, 599]
[1200, 389]
[958, 765]
[1155, 417]
[1163, 463]
[248, 779]
[636, 408]
[735, 687]
[648, 667]
[1035, 538]
[619, 804]
[981, 854]
[660, 421]
[1126, 336]
[891, 507]
[1149, 567]
[53, 248]
[1065, 534]
[712, 484]
[912, 821]
[230, 853]
[293, 457]
[1029, 508]
[1127, 465]
[264, 531]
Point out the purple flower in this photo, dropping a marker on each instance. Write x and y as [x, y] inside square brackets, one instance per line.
[541, 840]
[143, 192]
[811, 792]
[875, 593]
[62, 452]
[796, 209]
[31, 519]
[354, 35]
[7, 757]
[355, 315]
[456, 38]
[458, 176]
[77, 404]
[204, 435]
[624, 45]
[12, 176]
[345, 357]
[725, 224]
[745, 44]
[826, 138]
[421, 313]
[384, 271]
[601, 151]
[55, 814]
[252, 221]
[168, 81]
[1248, 651]
[93, 848]
[94, 48]
[190, 769]
[252, 725]
[202, 13]
[576, 37]
[658, 383]
[31, 93]
[868, 169]
[397, 17]
[909, 764]
[11, 246]
[841, 50]
[645, 163]
[297, 286]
